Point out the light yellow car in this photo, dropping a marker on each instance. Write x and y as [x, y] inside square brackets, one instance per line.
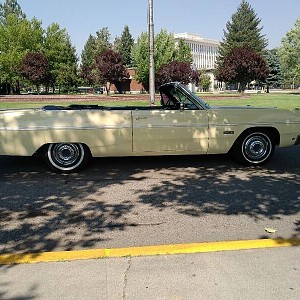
[183, 124]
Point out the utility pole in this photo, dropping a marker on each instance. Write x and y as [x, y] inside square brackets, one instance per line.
[151, 54]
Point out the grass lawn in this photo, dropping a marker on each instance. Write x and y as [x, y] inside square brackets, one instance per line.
[280, 100]
[34, 104]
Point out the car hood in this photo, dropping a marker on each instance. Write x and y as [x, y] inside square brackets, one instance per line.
[242, 107]
[254, 115]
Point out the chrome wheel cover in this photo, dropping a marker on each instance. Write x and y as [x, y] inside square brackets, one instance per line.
[65, 156]
[257, 147]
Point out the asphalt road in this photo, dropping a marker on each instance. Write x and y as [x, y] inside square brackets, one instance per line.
[120, 202]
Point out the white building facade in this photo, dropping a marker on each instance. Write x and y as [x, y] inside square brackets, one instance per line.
[204, 52]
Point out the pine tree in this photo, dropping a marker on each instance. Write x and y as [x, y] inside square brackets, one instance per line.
[124, 46]
[11, 7]
[88, 52]
[242, 30]
[275, 78]
[102, 41]
[95, 46]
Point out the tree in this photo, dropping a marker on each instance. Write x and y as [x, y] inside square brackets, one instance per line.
[275, 77]
[35, 68]
[140, 56]
[183, 52]
[111, 68]
[243, 65]
[10, 7]
[124, 46]
[87, 68]
[88, 52]
[94, 47]
[61, 55]
[242, 30]
[164, 53]
[289, 53]
[102, 41]
[17, 38]
[87, 74]
[174, 71]
[164, 48]
[205, 82]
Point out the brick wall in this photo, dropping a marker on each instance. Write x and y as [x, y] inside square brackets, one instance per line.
[129, 85]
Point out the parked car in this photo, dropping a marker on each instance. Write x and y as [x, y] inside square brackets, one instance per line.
[182, 124]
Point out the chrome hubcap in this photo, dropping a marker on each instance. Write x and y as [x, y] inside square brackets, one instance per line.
[66, 156]
[257, 148]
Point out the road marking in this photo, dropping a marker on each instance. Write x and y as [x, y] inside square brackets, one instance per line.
[7, 259]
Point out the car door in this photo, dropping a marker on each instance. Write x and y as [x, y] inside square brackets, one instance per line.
[170, 130]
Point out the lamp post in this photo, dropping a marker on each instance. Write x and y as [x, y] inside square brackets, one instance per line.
[151, 54]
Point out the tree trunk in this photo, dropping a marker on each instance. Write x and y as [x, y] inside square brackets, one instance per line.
[108, 88]
[18, 89]
[242, 87]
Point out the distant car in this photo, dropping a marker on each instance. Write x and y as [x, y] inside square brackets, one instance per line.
[99, 90]
[181, 124]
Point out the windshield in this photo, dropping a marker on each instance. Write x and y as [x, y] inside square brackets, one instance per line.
[195, 97]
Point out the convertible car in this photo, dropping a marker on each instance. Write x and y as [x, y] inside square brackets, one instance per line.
[182, 124]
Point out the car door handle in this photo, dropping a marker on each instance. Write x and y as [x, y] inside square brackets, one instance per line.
[140, 118]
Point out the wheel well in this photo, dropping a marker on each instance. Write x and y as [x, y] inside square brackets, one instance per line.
[42, 150]
[270, 131]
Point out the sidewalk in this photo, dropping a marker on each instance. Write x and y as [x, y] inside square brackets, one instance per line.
[244, 274]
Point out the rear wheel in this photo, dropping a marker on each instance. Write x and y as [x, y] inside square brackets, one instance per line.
[67, 157]
[253, 148]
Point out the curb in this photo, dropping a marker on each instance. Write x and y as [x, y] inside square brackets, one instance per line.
[8, 259]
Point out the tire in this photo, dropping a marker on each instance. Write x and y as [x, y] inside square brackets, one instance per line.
[253, 148]
[67, 157]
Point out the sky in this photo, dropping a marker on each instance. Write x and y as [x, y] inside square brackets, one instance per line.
[207, 18]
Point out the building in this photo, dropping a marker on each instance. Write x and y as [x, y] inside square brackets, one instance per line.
[128, 85]
[204, 52]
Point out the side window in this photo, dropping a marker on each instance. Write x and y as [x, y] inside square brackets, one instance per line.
[168, 101]
[165, 100]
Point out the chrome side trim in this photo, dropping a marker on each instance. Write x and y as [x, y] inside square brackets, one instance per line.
[255, 124]
[43, 128]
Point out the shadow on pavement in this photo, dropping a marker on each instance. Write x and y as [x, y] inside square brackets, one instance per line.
[43, 211]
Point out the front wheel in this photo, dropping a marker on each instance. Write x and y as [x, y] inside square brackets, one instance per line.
[253, 148]
[67, 157]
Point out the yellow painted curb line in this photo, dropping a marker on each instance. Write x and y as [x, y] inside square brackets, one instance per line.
[7, 259]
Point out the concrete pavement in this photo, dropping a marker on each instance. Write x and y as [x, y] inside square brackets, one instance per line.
[244, 274]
